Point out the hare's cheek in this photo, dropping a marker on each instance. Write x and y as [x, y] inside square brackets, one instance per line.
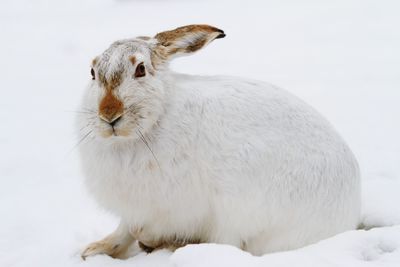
[106, 133]
[124, 132]
[101, 129]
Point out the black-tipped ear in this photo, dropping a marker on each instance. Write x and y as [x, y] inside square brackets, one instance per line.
[186, 39]
[221, 35]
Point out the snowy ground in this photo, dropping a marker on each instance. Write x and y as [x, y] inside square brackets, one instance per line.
[340, 56]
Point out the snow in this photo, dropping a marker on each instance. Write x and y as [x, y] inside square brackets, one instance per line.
[342, 57]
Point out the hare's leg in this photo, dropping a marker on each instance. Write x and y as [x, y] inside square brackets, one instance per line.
[171, 245]
[114, 245]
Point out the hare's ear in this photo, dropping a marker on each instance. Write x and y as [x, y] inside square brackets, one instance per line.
[185, 40]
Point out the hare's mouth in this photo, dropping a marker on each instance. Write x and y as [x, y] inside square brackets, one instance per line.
[109, 131]
[115, 132]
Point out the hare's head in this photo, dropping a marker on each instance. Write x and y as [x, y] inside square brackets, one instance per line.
[127, 92]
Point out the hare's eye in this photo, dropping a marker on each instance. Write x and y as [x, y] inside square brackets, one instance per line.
[93, 75]
[140, 70]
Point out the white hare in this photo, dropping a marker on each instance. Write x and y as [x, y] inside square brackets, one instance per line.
[186, 159]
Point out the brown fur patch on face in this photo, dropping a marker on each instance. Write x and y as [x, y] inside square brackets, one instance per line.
[110, 107]
[132, 59]
[113, 81]
[94, 61]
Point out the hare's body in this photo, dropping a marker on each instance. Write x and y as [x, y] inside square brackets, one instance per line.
[225, 160]
[239, 162]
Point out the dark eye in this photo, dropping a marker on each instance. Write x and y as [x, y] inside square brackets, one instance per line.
[93, 75]
[140, 70]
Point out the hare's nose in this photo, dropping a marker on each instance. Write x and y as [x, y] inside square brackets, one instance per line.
[112, 121]
[111, 108]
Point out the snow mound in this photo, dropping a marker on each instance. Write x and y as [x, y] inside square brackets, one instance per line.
[380, 247]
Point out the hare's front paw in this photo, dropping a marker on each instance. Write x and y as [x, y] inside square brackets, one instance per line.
[102, 247]
[107, 247]
[114, 245]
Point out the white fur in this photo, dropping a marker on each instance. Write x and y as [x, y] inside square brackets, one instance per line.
[232, 161]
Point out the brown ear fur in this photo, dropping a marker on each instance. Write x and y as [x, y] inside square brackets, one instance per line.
[168, 38]
[182, 40]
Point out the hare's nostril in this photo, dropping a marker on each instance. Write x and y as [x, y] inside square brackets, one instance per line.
[112, 123]
[113, 120]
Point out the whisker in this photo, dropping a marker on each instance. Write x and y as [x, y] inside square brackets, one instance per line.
[83, 110]
[90, 110]
[87, 125]
[80, 141]
[133, 106]
[141, 136]
[79, 111]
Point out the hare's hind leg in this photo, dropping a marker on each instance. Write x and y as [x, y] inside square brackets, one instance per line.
[169, 244]
[115, 245]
